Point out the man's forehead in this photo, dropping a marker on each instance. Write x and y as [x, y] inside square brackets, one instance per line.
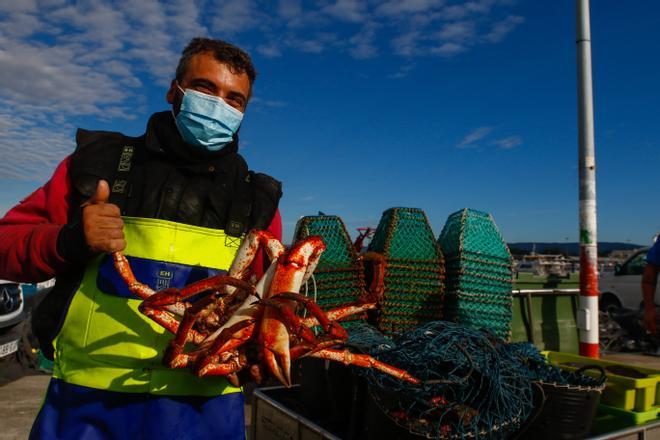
[205, 62]
[205, 66]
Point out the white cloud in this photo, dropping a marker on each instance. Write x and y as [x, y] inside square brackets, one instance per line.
[474, 138]
[347, 10]
[407, 44]
[20, 25]
[186, 22]
[397, 7]
[234, 16]
[50, 78]
[65, 59]
[31, 147]
[259, 103]
[362, 44]
[13, 6]
[502, 28]
[88, 65]
[289, 9]
[313, 43]
[457, 31]
[270, 50]
[508, 143]
[469, 141]
[402, 72]
[448, 49]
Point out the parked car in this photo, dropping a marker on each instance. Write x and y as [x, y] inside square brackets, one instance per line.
[623, 287]
[12, 313]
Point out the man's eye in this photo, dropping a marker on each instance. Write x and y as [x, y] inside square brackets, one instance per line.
[202, 89]
[236, 103]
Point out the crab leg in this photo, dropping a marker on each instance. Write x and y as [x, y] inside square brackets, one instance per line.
[125, 271]
[319, 317]
[219, 366]
[228, 341]
[211, 357]
[142, 290]
[377, 285]
[363, 360]
[156, 305]
[339, 313]
[204, 356]
[324, 351]
[248, 250]
[233, 333]
[368, 302]
[290, 319]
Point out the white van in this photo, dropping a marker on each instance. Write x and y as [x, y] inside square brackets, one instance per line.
[623, 287]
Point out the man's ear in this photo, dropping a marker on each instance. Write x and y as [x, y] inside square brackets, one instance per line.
[171, 93]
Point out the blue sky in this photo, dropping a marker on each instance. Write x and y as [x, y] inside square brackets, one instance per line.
[363, 105]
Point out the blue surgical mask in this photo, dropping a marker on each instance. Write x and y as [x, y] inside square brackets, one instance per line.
[205, 121]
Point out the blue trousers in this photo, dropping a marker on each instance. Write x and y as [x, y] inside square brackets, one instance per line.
[77, 412]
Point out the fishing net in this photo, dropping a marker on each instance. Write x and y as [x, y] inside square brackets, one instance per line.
[538, 368]
[473, 385]
[339, 277]
[414, 273]
[479, 273]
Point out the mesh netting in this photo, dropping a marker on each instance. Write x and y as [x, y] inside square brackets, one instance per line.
[479, 272]
[339, 276]
[537, 368]
[473, 385]
[414, 274]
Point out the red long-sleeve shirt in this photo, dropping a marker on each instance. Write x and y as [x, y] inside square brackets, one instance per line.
[29, 231]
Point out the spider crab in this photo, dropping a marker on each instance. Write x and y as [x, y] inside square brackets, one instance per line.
[230, 316]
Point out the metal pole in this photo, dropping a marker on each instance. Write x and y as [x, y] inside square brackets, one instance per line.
[588, 305]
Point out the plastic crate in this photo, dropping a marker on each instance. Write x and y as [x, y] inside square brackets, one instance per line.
[622, 392]
[610, 418]
[277, 413]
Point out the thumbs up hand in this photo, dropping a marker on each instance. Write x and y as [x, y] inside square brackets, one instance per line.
[102, 222]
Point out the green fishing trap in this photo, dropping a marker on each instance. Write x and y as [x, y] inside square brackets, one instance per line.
[479, 273]
[414, 274]
[339, 276]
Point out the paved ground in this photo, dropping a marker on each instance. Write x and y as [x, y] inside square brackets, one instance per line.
[19, 402]
[22, 398]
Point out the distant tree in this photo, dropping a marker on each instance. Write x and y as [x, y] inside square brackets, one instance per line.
[554, 251]
[518, 251]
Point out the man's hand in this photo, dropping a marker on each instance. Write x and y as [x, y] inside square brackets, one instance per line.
[102, 222]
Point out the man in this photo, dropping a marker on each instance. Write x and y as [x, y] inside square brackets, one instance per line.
[176, 201]
[649, 283]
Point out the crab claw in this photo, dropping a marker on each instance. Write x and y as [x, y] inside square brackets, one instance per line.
[292, 268]
[277, 357]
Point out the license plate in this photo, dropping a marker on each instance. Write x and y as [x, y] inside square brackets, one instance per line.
[8, 348]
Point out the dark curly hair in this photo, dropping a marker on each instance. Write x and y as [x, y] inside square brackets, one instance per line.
[237, 59]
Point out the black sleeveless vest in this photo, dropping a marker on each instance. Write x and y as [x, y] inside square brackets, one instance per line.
[157, 176]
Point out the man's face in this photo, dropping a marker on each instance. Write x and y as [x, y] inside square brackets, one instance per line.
[207, 75]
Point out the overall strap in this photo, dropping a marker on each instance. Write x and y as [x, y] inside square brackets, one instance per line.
[124, 178]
